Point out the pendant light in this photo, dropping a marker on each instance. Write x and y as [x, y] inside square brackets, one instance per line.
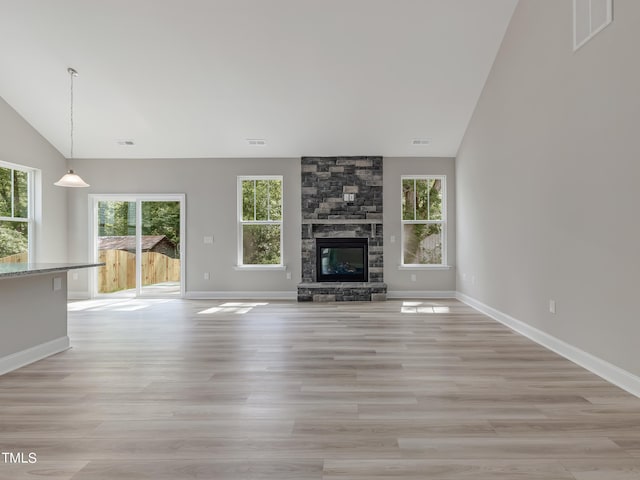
[71, 179]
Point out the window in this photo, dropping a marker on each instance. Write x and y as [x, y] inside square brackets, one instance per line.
[590, 17]
[424, 220]
[260, 220]
[15, 213]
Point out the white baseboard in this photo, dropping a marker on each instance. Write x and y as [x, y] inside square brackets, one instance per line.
[259, 295]
[401, 294]
[78, 295]
[609, 372]
[33, 354]
[248, 295]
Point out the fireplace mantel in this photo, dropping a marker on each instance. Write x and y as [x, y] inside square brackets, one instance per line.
[342, 221]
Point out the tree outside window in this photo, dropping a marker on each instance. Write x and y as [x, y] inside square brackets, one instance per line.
[14, 214]
[423, 220]
[260, 220]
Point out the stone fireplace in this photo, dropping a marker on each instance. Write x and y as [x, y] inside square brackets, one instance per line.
[342, 234]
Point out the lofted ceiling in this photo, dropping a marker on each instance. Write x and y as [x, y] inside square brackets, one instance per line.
[197, 78]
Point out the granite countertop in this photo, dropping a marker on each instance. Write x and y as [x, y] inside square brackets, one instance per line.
[23, 269]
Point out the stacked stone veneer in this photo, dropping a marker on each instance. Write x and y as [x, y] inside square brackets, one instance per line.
[325, 213]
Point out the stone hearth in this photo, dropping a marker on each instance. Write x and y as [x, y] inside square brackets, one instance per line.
[342, 292]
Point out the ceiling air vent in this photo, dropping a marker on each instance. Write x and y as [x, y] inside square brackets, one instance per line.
[418, 142]
[256, 142]
[126, 143]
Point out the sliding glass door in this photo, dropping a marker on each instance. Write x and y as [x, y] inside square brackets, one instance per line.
[115, 246]
[139, 238]
[160, 236]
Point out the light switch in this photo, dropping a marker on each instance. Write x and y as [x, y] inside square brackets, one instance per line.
[208, 240]
[57, 284]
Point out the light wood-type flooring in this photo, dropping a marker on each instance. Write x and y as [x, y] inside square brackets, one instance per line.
[184, 389]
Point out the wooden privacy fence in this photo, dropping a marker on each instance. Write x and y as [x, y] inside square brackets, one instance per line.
[18, 258]
[119, 273]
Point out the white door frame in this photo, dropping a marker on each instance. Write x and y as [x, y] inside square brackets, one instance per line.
[138, 199]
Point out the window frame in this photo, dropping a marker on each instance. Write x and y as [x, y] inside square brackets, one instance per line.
[593, 30]
[30, 219]
[443, 222]
[240, 265]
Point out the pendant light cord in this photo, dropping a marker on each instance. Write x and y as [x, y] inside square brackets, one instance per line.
[72, 73]
[71, 117]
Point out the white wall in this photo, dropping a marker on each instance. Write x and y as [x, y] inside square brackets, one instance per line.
[210, 186]
[548, 178]
[426, 280]
[21, 144]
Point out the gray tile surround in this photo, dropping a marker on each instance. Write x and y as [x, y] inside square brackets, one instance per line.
[326, 214]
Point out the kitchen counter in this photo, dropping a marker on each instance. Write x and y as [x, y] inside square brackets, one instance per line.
[22, 269]
[33, 311]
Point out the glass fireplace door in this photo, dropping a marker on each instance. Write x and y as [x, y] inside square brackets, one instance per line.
[342, 260]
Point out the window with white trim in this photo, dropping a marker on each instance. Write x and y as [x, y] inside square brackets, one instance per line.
[260, 221]
[424, 220]
[16, 218]
[590, 17]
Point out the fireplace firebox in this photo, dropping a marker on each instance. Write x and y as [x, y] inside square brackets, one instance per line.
[342, 260]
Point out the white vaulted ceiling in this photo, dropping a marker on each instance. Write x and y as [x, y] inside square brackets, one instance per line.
[197, 78]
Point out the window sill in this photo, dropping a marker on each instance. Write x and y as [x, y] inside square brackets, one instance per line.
[257, 268]
[425, 267]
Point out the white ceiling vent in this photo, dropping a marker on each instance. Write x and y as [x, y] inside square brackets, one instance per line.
[420, 142]
[126, 143]
[256, 142]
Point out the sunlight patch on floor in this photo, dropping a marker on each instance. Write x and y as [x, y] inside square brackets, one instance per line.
[113, 305]
[239, 308]
[423, 307]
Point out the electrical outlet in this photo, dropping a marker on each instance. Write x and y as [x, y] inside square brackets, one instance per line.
[208, 240]
[392, 239]
[206, 275]
[57, 284]
[413, 277]
[464, 277]
[74, 276]
[552, 306]
[288, 275]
